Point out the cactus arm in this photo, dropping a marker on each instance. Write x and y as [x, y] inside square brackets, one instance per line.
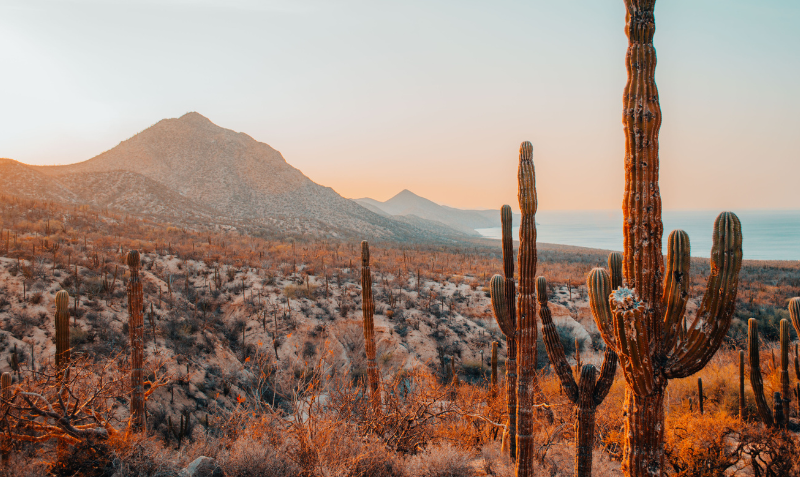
[615, 269]
[794, 313]
[497, 290]
[584, 424]
[607, 372]
[599, 285]
[676, 287]
[714, 315]
[633, 340]
[756, 382]
[552, 342]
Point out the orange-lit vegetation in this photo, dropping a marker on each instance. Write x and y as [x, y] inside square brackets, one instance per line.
[254, 356]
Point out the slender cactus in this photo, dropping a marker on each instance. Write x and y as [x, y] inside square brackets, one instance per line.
[5, 392]
[588, 392]
[794, 313]
[700, 398]
[494, 368]
[741, 385]
[756, 382]
[368, 308]
[62, 330]
[646, 325]
[787, 396]
[136, 331]
[527, 383]
[503, 293]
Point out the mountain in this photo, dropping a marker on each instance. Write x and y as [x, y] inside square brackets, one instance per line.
[190, 169]
[407, 203]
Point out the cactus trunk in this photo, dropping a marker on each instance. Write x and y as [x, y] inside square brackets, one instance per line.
[136, 331]
[368, 308]
[62, 330]
[787, 397]
[526, 313]
[741, 385]
[756, 382]
[644, 430]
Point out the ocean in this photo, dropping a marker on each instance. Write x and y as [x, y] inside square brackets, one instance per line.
[767, 234]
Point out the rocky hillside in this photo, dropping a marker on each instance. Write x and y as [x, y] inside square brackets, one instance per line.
[192, 171]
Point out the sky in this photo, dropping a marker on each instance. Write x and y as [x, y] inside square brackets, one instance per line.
[372, 97]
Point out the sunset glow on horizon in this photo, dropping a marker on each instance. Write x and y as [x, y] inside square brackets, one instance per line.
[434, 97]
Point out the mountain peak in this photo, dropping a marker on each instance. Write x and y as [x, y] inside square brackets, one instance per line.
[193, 117]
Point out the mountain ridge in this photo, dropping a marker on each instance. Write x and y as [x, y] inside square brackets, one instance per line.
[190, 168]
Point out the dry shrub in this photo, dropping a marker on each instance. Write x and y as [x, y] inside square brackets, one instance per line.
[701, 445]
[443, 460]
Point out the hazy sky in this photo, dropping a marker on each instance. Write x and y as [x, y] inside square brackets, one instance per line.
[371, 97]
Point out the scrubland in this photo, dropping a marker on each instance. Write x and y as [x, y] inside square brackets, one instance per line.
[255, 357]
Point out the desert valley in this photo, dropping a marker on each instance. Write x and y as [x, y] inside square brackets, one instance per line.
[190, 304]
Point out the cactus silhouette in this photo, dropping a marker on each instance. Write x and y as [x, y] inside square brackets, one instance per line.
[588, 392]
[136, 332]
[368, 307]
[62, 330]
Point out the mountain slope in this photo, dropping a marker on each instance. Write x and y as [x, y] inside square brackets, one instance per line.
[189, 167]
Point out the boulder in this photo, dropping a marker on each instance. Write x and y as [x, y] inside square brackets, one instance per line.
[203, 467]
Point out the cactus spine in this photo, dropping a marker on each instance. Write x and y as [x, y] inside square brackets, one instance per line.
[368, 308]
[503, 292]
[646, 326]
[588, 392]
[756, 382]
[62, 330]
[527, 384]
[136, 332]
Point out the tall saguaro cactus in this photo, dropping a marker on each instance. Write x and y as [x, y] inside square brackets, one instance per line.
[368, 308]
[589, 392]
[644, 321]
[503, 292]
[136, 331]
[527, 384]
[62, 330]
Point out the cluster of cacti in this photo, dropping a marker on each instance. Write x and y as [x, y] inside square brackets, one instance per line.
[645, 322]
[589, 391]
[136, 333]
[368, 308]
